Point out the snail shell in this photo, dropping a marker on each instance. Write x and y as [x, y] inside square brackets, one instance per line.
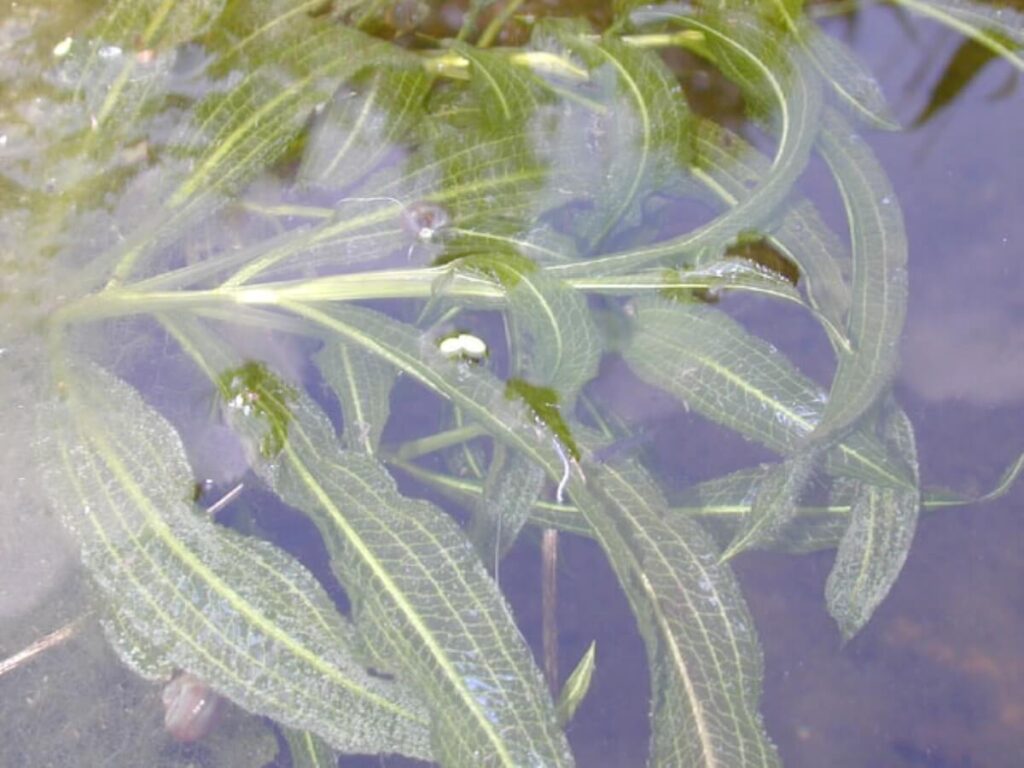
[422, 220]
[190, 708]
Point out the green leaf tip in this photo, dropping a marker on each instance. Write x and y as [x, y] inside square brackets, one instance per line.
[543, 401]
[576, 687]
[260, 396]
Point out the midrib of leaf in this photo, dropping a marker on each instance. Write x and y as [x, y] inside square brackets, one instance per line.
[299, 9]
[147, 38]
[357, 402]
[201, 176]
[729, 504]
[187, 558]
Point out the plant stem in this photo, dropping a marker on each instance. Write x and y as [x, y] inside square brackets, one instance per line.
[416, 448]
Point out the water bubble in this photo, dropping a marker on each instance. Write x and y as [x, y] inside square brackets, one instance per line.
[886, 200]
[109, 52]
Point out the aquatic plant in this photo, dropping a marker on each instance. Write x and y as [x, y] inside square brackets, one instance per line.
[201, 181]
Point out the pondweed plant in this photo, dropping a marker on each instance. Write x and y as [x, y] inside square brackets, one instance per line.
[197, 182]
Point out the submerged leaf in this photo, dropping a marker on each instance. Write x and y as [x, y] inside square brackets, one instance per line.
[307, 750]
[576, 687]
[774, 504]
[554, 342]
[702, 651]
[879, 291]
[513, 484]
[424, 606]
[186, 593]
[1000, 29]
[363, 385]
[713, 365]
[704, 658]
[877, 541]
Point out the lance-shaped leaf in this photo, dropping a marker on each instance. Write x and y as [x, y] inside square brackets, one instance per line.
[796, 99]
[629, 148]
[368, 118]
[512, 486]
[845, 72]
[687, 604]
[879, 291]
[713, 365]
[877, 541]
[186, 593]
[729, 167]
[774, 503]
[576, 687]
[363, 385]
[702, 650]
[423, 603]
[722, 504]
[238, 132]
[823, 260]
[1000, 29]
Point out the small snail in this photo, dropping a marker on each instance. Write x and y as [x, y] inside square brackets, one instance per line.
[191, 708]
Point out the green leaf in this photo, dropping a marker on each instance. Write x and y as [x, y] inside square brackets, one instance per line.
[363, 385]
[703, 655]
[576, 687]
[186, 593]
[841, 68]
[307, 750]
[1000, 29]
[774, 504]
[723, 503]
[879, 292]
[877, 541]
[795, 97]
[553, 341]
[236, 133]
[366, 119]
[697, 630]
[711, 364]
[823, 260]
[636, 130]
[513, 484]
[423, 604]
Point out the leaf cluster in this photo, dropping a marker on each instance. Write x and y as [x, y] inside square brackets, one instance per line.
[265, 203]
